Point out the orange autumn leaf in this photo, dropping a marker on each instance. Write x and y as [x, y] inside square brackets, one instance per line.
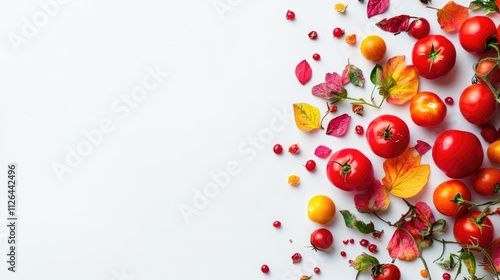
[451, 16]
[404, 175]
[398, 81]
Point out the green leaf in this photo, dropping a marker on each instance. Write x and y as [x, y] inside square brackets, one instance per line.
[364, 262]
[470, 262]
[351, 222]
[439, 225]
[374, 75]
[447, 263]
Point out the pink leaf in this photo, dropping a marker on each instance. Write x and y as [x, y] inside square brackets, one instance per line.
[333, 81]
[321, 90]
[395, 24]
[424, 216]
[375, 199]
[322, 151]
[401, 245]
[338, 125]
[303, 72]
[422, 147]
[494, 251]
[376, 7]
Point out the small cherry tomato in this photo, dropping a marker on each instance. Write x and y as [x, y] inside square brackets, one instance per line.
[444, 194]
[388, 136]
[486, 181]
[487, 66]
[386, 272]
[419, 28]
[468, 230]
[321, 239]
[321, 209]
[373, 48]
[427, 109]
[493, 152]
[477, 104]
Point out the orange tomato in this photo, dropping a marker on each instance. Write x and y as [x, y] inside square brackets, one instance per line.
[321, 209]
[443, 197]
[373, 48]
[493, 152]
[427, 109]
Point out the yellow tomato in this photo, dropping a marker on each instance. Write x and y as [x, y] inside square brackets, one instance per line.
[493, 152]
[321, 209]
[373, 48]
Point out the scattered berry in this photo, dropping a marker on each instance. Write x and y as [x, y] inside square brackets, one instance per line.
[446, 276]
[294, 149]
[317, 270]
[277, 224]
[305, 277]
[377, 234]
[372, 248]
[290, 15]
[489, 133]
[343, 253]
[351, 261]
[313, 35]
[345, 241]
[293, 180]
[278, 149]
[332, 108]
[363, 242]
[449, 100]
[338, 32]
[351, 39]
[357, 109]
[264, 268]
[359, 130]
[351, 240]
[310, 165]
[424, 273]
[296, 258]
[316, 56]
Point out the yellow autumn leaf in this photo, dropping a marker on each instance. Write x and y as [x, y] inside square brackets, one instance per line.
[307, 117]
[404, 175]
[399, 81]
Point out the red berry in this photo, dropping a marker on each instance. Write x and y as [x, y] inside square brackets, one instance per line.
[351, 261]
[277, 224]
[316, 56]
[489, 133]
[296, 258]
[446, 276]
[372, 248]
[310, 165]
[338, 32]
[351, 240]
[313, 35]
[332, 108]
[449, 100]
[364, 242]
[345, 241]
[377, 234]
[264, 268]
[278, 149]
[317, 270]
[343, 253]
[290, 15]
[359, 130]
[357, 109]
[294, 149]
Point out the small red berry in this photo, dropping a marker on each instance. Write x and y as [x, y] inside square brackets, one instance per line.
[264, 268]
[359, 130]
[278, 149]
[290, 15]
[338, 32]
[316, 56]
[277, 224]
[343, 253]
[446, 276]
[310, 165]
[294, 149]
[357, 109]
[489, 133]
[372, 248]
[317, 270]
[332, 108]
[345, 241]
[313, 35]
[351, 261]
[363, 242]
[296, 258]
[351, 240]
[377, 234]
[449, 100]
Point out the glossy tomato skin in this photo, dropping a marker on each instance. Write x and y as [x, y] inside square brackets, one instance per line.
[477, 104]
[321, 239]
[486, 181]
[388, 272]
[433, 56]
[427, 109]
[475, 33]
[419, 28]
[388, 136]
[445, 192]
[485, 66]
[467, 232]
[457, 153]
[350, 170]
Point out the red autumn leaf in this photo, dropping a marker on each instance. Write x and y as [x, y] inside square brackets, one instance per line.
[374, 200]
[376, 7]
[322, 151]
[424, 216]
[494, 251]
[331, 86]
[451, 16]
[422, 147]
[338, 125]
[395, 24]
[303, 72]
[354, 75]
[401, 245]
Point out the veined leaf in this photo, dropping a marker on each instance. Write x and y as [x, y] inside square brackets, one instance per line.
[307, 117]
[303, 72]
[451, 16]
[398, 81]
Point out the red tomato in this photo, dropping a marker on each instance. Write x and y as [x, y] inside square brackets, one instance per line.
[457, 153]
[486, 65]
[433, 56]
[386, 272]
[475, 33]
[388, 136]
[419, 28]
[321, 239]
[486, 181]
[350, 170]
[427, 109]
[444, 194]
[467, 231]
[477, 104]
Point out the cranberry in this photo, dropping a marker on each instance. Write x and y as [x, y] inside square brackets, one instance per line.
[364, 242]
[264, 268]
[296, 258]
[313, 35]
[317, 270]
[359, 130]
[372, 248]
[351, 240]
[290, 15]
[316, 56]
[278, 149]
[277, 224]
[345, 241]
[338, 32]
[449, 100]
[343, 253]
[446, 276]
[310, 165]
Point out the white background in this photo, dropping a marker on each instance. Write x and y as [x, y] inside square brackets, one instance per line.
[226, 101]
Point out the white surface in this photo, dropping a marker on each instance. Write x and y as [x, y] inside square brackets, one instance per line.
[231, 80]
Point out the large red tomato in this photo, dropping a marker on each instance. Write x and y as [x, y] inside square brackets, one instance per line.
[467, 232]
[433, 56]
[477, 104]
[388, 136]
[475, 33]
[457, 153]
[350, 170]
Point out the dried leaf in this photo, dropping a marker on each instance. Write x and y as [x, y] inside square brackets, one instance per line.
[424, 218]
[351, 39]
[422, 147]
[402, 245]
[353, 75]
[398, 81]
[338, 125]
[494, 251]
[307, 117]
[303, 72]
[322, 151]
[351, 222]
[330, 88]
[404, 175]
[373, 200]
[376, 7]
[451, 16]
[395, 24]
